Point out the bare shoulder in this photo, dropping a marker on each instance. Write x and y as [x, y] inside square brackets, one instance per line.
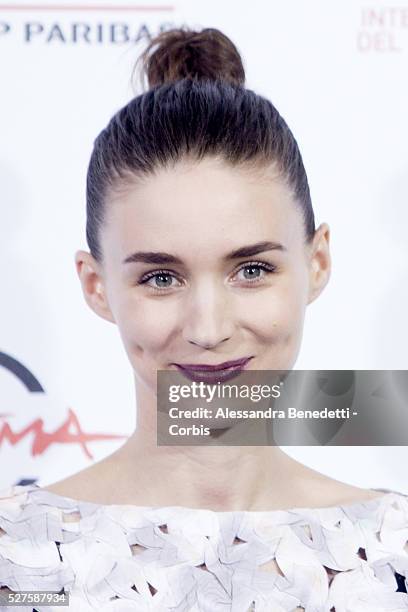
[90, 484]
[321, 491]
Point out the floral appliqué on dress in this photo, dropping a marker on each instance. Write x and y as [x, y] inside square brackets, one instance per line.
[351, 558]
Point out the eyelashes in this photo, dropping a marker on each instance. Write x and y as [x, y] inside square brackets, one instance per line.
[262, 266]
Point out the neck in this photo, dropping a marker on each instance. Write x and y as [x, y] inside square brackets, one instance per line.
[221, 478]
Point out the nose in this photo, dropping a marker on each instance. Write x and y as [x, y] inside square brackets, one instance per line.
[208, 319]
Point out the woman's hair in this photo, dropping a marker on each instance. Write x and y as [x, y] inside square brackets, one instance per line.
[196, 106]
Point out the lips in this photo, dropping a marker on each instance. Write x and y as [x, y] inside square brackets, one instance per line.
[213, 373]
[201, 367]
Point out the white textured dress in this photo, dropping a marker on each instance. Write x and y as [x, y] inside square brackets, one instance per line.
[110, 558]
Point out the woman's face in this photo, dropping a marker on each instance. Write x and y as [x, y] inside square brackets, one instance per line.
[188, 299]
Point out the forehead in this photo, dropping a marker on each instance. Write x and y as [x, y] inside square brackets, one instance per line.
[200, 207]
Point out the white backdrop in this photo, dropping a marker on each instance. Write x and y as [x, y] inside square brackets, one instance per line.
[335, 71]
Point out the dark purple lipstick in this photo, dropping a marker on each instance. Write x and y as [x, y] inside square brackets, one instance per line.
[200, 372]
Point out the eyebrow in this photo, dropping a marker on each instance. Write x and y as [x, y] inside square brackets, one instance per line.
[156, 257]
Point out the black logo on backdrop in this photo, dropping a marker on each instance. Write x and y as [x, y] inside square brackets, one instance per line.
[91, 25]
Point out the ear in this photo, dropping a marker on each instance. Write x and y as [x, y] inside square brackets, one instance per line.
[320, 263]
[93, 288]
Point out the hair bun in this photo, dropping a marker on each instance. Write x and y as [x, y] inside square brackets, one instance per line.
[179, 53]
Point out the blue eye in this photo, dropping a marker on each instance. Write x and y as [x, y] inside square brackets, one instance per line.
[162, 278]
[255, 270]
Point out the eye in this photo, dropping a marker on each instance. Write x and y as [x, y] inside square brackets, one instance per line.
[255, 271]
[163, 278]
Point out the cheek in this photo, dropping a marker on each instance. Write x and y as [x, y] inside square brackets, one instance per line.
[277, 314]
[145, 325]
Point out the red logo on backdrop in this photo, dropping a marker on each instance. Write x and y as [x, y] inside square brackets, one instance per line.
[382, 29]
[69, 432]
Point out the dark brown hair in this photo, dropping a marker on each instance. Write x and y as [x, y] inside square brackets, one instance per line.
[196, 106]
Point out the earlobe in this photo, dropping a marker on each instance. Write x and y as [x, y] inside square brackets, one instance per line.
[320, 263]
[92, 282]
